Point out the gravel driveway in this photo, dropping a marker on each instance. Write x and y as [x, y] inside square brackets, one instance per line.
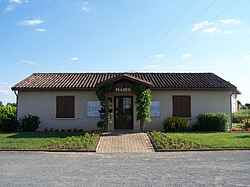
[226, 168]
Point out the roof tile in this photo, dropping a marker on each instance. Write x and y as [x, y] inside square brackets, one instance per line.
[90, 80]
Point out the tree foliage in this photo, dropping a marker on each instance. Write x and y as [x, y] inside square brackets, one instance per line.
[143, 102]
[8, 121]
[100, 93]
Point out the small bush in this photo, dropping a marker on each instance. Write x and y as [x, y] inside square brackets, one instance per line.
[29, 123]
[100, 124]
[212, 122]
[175, 124]
[239, 116]
[8, 121]
[247, 122]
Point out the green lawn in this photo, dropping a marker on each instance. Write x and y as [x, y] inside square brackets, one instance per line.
[207, 140]
[48, 140]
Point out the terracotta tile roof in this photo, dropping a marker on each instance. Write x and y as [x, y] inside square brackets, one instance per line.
[75, 81]
[124, 76]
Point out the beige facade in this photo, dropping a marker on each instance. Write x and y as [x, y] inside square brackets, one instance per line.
[43, 104]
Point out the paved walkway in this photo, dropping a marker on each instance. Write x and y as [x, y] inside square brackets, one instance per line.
[124, 142]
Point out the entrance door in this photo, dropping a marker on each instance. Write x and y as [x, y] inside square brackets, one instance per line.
[123, 112]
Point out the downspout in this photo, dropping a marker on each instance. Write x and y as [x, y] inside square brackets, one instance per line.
[15, 92]
[230, 111]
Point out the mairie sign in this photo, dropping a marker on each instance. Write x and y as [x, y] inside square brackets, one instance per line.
[123, 89]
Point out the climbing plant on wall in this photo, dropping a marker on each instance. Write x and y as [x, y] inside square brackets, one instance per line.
[100, 93]
[143, 102]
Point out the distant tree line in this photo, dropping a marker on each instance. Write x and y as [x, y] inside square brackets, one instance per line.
[245, 107]
[8, 104]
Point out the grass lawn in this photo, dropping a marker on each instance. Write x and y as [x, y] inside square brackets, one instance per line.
[206, 140]
[49, 140]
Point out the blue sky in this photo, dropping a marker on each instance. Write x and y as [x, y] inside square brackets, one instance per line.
[112, 36]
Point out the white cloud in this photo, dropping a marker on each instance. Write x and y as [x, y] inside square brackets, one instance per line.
[28, 62]
[31, 22]
[159, 55]
[4, 91]
[247, 57]
[230, 21]
[18, 1]
[74, 58]
[85, 9]
[186, 55]
[216, 30]
[41, 30]
[9, 8]
[200, 25]
[212, 30]
[12, 4]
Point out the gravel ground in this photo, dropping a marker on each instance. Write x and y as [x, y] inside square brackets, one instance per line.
[225, 168]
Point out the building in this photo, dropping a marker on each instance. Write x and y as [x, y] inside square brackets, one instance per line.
[68, 100]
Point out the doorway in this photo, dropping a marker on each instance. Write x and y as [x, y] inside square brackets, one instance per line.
[123, 112]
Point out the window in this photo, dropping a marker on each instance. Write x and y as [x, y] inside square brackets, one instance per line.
[65, 106]
[93, 108]
[182, 106]
[155, 109]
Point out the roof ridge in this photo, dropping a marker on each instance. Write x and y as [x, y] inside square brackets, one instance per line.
[122, 73]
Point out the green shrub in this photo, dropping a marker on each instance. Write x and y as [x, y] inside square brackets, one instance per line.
[100, 124]
[175, 124]
[29, 123]
[239, 116]
[212, 122]
[8, 121]
[247, 122]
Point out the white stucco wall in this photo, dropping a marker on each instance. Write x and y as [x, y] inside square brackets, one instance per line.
[201, 101]
[43, 104]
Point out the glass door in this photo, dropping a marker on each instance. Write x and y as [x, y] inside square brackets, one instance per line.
[123, 112]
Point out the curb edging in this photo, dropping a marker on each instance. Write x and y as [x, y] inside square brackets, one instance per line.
[46, 150]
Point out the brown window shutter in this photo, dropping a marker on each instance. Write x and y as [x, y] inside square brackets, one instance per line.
[182, 106]
[186, 106]
[70, 107]
[60, 102]
[176, 106]
[65, 106]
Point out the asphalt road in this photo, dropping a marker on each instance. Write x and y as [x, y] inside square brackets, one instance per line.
[226, 168]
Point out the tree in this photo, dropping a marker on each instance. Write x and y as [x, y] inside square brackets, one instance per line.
[143, 102]
[1, 104]
[11, 104]
[247, 105]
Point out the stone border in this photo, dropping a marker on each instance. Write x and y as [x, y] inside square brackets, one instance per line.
[47, 150]
[186, 150]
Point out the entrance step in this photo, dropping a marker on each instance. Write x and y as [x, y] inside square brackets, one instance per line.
[124, 142]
